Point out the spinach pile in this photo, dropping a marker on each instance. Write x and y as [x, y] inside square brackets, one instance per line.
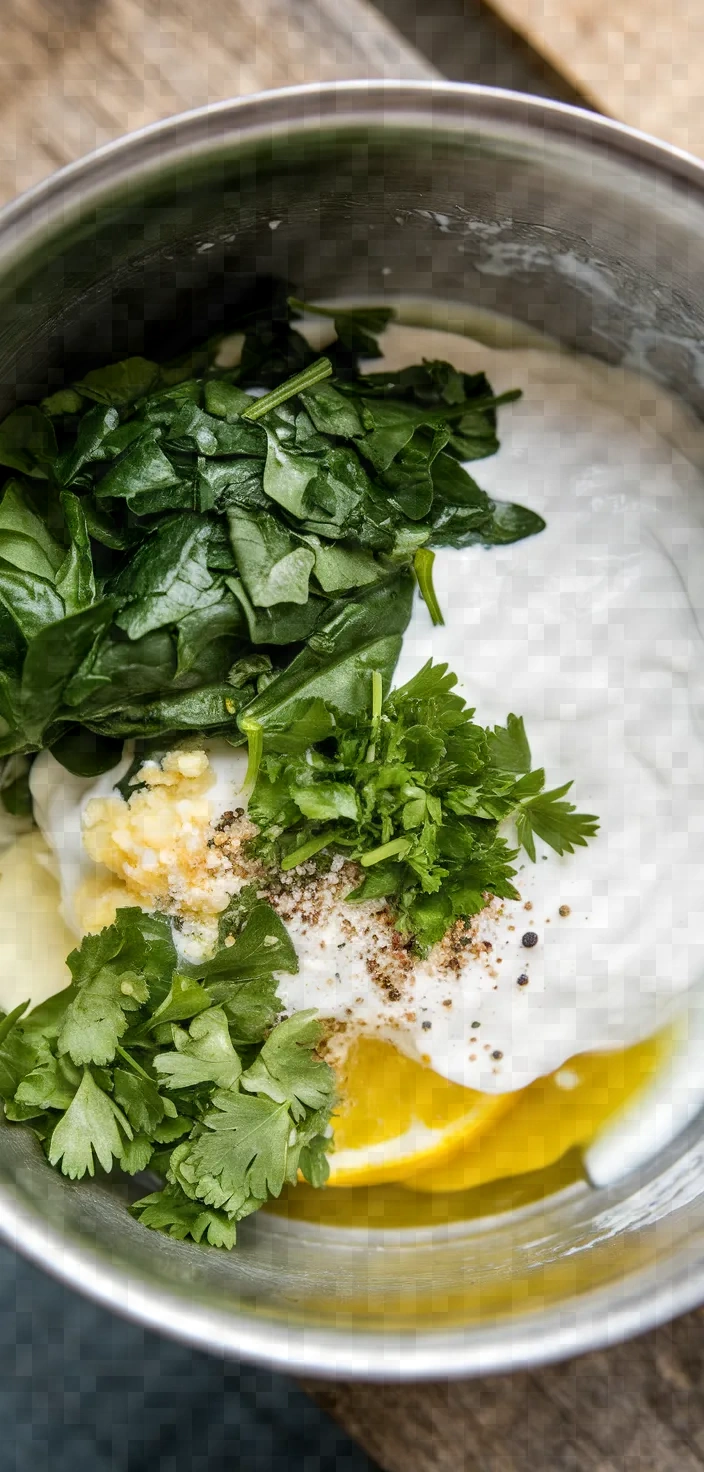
[185, 1072]
[411, 789]
[168, 539]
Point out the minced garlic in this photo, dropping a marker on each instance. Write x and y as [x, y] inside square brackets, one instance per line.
[155, 850]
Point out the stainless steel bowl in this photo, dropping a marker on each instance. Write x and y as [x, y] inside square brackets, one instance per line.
[568, 223]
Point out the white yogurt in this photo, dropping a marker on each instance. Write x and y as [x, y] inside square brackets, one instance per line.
[592, 632]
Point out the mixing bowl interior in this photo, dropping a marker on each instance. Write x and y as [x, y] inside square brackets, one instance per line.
[566, 224]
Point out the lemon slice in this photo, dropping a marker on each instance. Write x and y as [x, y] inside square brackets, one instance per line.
[396, 1116]
[550, 1117]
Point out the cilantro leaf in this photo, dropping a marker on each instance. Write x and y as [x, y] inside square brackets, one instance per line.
[313, 1161]
[204, 1054]
[140, 1099]
[96, 1019]
[136, 1155]
[433, 690]
[43, 1024]
[90, 1128]
[252, 1007]
[147, 946]
[115, 973]
[173, 1212]
[19, 1053]
[172, 1129]
[184, 999]
[52, 1084]
[287, 1069]
[243, 1153]
[142, 941]
[10, 1019]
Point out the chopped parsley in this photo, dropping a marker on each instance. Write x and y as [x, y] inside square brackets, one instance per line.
[412, 790]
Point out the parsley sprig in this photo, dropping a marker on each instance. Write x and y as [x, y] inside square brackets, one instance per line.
[140, 1064]
[415, 792]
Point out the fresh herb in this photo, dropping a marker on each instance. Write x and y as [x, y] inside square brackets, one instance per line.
[412, 790]
[337, 663]
[161, 523]
[137, 1062]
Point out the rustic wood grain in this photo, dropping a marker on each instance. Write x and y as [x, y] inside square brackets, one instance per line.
[76, 73]
[639, 60]
[636, 1408]
[73, 75]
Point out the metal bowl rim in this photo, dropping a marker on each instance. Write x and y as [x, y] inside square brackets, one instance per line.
[311, 107]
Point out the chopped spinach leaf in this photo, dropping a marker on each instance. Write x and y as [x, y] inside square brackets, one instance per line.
[161, 521]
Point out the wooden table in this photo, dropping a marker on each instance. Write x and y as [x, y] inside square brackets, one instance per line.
[75, 73]
[636, 1408]
[639, 60]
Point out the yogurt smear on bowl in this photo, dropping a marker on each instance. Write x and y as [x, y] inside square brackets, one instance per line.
[592, 632]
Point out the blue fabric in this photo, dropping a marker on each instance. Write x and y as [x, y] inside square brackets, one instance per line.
[82, 1391]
